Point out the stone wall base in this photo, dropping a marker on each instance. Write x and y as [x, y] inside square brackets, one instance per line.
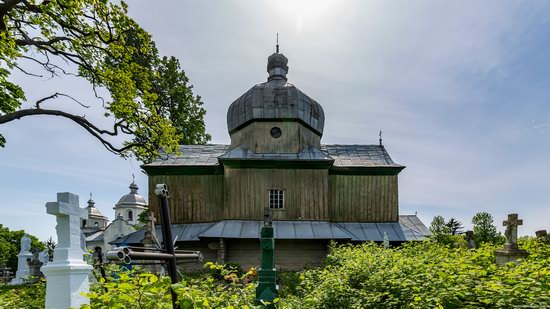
[507, 256]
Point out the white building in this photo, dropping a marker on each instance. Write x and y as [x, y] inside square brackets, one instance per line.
[97, 229]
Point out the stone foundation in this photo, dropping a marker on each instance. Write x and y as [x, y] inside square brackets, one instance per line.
[504, 256]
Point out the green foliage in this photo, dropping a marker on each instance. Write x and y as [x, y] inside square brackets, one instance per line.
[416, 275]
[426, 275]
[484, 229]
[50, 245]
[178, 103]
[131, 290]
[10, 245]
[454, 226]
[31, 296]
[148, 97]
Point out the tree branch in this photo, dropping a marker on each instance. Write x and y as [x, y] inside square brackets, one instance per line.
[81, 121]
[58, 94]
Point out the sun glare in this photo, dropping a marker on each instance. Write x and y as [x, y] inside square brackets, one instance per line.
[305, 13]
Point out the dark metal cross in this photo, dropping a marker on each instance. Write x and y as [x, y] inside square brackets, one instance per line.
[511, 232]
[166, 255]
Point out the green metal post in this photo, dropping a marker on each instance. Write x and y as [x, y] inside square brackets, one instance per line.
[267, 275]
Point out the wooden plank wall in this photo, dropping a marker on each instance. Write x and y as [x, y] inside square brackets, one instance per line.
[363, 198]
[289, 254]
[193, 198]
[257, 137]
[246, 193]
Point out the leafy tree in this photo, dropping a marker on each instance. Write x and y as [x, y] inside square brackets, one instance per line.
[50, 246]
[484, 229]
[442, 233]
[179, 104]
[439, 229]
[10, 245]
[97, 41]
[455, 226]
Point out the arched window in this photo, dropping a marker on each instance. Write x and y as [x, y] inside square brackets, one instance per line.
[130, 215]
[96, 224]
[83, 223]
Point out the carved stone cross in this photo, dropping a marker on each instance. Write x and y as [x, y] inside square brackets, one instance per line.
[511, 232]
[67, 275]
[68, 215]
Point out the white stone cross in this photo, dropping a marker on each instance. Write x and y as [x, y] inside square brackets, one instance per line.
[68, 215]
[511, 232]
[67, 275]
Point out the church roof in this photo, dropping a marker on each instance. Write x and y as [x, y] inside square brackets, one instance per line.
[404, 230]
[93, 212]
[344, 156]
[359, 155]
[131, 199]
[275, 99]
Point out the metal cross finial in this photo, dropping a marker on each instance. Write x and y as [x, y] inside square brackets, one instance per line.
[277, 43]
[133, 178]
[380, 137]
[90, 195]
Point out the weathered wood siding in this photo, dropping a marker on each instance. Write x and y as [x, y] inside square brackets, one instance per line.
[193, 198]
[257, 137]
[246, 193]
[355, 198]
[289, 254]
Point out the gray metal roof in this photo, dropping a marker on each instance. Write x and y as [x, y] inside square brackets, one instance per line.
[275, 99]
[97, 236]
[343, 155]
[308, 154]
[194, 155]
[414, 223]
[282, 230]
[180, 232]
[359, 155]
[322, 230]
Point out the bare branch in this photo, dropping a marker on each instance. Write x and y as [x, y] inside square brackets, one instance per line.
[58, 94]
[25, 72]
[81, 121]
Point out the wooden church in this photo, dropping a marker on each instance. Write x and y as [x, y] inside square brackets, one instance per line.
[315, 193]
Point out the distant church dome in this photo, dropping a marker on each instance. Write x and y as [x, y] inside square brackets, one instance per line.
[132, 198]
[276, 100]
[93, 212]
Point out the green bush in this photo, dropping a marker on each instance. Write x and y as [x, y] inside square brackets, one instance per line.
[28, 296]
[426, 275]
[416, 275]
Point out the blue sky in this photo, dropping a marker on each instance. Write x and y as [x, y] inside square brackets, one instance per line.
[460, 90]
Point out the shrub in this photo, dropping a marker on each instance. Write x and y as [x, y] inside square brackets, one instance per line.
[27, 296]
[426, 275]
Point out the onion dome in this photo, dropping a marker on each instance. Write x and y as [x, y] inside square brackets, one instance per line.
[93, 212]
[275, 100]
[132, 199]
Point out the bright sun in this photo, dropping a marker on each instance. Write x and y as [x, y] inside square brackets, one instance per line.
[304, 12]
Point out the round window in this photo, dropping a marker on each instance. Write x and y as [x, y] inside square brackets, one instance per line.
[276, 132]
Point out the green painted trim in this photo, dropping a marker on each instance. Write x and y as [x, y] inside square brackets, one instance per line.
[277, 164]
[183, 170]
[380, 170]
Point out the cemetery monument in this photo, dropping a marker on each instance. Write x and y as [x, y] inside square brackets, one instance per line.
[511, 251]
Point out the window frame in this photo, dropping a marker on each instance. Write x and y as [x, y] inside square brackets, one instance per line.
[280, 196]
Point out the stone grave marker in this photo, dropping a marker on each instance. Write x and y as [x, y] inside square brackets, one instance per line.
[23, 258]
[511, 252]
[67, 275]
